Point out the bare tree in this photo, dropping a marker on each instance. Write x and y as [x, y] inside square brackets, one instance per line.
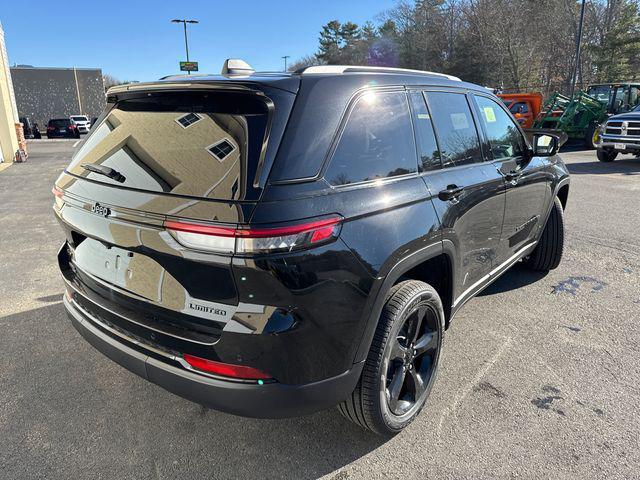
[510, 44]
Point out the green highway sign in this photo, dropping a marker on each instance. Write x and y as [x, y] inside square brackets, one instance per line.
[189, 66]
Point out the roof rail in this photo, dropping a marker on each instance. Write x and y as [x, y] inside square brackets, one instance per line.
[350, 68]
[183, 75]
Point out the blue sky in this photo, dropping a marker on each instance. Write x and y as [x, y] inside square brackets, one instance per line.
[134, 40]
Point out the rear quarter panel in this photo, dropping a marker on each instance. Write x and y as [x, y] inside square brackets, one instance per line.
[384, 222]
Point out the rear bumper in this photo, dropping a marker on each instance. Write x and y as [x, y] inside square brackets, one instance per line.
[271, 400]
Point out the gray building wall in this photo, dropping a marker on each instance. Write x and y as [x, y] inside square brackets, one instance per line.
[45, 93]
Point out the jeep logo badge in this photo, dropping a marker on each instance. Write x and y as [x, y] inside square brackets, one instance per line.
[100, 210]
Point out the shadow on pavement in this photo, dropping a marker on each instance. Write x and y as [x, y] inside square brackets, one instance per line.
[624, 166]
[68, 411]
[518, 276]
[574, 146]
[57, 297]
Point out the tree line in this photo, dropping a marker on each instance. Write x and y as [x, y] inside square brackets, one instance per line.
[514, 45]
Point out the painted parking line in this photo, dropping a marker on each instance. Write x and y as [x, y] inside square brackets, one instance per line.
[76, 144]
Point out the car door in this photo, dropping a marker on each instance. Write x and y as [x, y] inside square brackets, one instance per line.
[467, 190]
[526, 182]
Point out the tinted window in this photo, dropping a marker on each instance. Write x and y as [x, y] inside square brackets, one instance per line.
[457, 134]
[426, 141]
[144, 138]
[377, 141]
[503, 135]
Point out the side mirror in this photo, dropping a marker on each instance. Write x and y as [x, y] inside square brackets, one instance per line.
[545, 145]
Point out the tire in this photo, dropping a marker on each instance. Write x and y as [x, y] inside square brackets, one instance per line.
[391, 364]
[548, 252]
[589, 134]
[606, 155]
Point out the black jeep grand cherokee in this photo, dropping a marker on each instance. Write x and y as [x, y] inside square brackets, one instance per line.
[274, 244]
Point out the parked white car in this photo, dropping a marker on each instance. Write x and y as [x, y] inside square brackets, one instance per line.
[82, 121]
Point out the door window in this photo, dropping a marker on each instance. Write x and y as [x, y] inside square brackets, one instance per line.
[502, 133]
[428, 153]
[377, 141]
[634, 98]
[459, 144]
[519, 107]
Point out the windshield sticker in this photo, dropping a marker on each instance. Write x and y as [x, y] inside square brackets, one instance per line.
[489, 114]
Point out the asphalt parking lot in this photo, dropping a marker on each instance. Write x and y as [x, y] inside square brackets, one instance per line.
[540, 375]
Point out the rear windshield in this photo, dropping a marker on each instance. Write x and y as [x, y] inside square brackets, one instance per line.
[206, 145]
[60, 122]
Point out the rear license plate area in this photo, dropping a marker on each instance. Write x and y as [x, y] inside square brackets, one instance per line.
[127, 270]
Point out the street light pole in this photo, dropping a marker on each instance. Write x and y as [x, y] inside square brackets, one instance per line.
[574, 77]
[186, 41]
[285, 61]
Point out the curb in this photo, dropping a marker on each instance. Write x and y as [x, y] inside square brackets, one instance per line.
[5, 165]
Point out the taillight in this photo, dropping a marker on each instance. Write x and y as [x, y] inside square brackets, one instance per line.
[225, 369]
[241, 240]
[50, 127]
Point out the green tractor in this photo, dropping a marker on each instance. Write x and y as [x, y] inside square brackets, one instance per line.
[580, 116]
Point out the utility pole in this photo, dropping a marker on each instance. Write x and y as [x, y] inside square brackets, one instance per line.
[285, 61]
[574, 77]
[186, 41]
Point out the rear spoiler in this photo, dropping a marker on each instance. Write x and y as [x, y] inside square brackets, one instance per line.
[562, 136]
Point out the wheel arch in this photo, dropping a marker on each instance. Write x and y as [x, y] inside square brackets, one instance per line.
[427, 264]
[563, 194]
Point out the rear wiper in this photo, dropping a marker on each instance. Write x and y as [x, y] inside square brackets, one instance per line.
[106, 171]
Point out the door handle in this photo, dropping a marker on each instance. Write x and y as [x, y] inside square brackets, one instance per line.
[512, 176]
[452, 192]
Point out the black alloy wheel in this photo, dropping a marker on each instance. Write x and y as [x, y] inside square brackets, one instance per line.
[401, 367]
[411, 359]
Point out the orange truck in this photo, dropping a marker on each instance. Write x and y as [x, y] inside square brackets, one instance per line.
[525, 107]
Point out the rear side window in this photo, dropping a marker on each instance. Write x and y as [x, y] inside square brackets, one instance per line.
[425, 138]
[377, 141]
[503, 135]
[459, 144]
